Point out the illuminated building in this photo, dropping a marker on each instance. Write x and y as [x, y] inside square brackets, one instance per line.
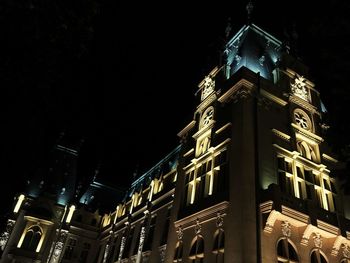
[250, 182]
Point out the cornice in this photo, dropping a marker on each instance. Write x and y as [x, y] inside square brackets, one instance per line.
[203, 215]
[241, 84]
[185, 130]
[302, 103]
[273, 98]
[307, 134]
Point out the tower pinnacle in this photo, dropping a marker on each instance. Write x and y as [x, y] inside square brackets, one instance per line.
[249, 8]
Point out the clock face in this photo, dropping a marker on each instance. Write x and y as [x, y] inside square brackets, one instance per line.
[299, 88]
[302, 119]
[207, 117]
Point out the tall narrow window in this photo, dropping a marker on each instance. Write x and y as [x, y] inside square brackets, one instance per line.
[286, 252]
[68, 253]
[84, 253]
[32, 238]
[219, 246]
[178, 252]
[197, 250]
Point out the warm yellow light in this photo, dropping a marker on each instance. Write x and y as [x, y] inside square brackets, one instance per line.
[151, 191]
[19, 203]
[22, 238]
[211, 183]
[116, 214]
[70, 214]
[40, 243]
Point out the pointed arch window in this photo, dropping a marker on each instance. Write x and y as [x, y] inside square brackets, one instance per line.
[178, 252]
[219, 246]
[197, 250]
[286, 252]
[318, 257]
[32, 238]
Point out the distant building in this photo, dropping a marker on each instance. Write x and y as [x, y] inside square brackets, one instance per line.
[250, 182]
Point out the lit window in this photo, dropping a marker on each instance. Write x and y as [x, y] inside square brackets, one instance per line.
[32, 238]
[286, 252]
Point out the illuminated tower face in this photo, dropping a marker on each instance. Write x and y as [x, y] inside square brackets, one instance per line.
[254, 159]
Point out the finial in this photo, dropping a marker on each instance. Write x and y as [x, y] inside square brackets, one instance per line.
[249, 8]
[228, 28]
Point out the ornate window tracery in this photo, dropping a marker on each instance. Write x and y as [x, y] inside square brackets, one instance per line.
[32, 238]
[197, 250]
[302, 119]
[318, 257]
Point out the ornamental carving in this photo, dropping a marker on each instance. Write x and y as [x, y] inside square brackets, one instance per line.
[142, 239]
[162, 251]
[346, 251]
[318, 240]
[208, 87]
[219, 220]
[58, 247]
[197, 227]
[179, 233]
[299, 89]
[122, 246]
[6, 234]
[286, 229]
[302, 119]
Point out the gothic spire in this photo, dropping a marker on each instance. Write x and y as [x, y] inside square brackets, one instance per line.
[249, 8]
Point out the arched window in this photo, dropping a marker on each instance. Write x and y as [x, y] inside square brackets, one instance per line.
[178, 252]
[197, 250]
[219, 245]
[345, 260]
[286, 252]
[318, 257]
[307, 151]
[32, 238]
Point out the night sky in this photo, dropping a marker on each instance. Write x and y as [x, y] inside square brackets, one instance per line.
[122, 76]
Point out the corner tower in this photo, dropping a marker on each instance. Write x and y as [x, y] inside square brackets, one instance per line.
[255, 179]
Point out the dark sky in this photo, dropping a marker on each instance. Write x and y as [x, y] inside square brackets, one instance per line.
[122, 75]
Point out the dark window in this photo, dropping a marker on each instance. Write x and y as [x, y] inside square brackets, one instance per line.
[197, 250]
[68, 253]
[286, 252]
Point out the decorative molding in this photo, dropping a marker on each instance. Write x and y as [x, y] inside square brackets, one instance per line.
[198, 227]
[282, 135]
[307, 134]
[286, 229]
[206, 102]
[179, 233]
[204, 215]
[346, 251]
[203, 130]
[294, 214]
[304, 104]
[318, 240]
[241, 88]
[185, 130]
[273, 98]
[219, 220]
[311, 229]
[327, 227]
[329, 158]
[229, 124]
[340, 242]
[162, 253]
[6, 234]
